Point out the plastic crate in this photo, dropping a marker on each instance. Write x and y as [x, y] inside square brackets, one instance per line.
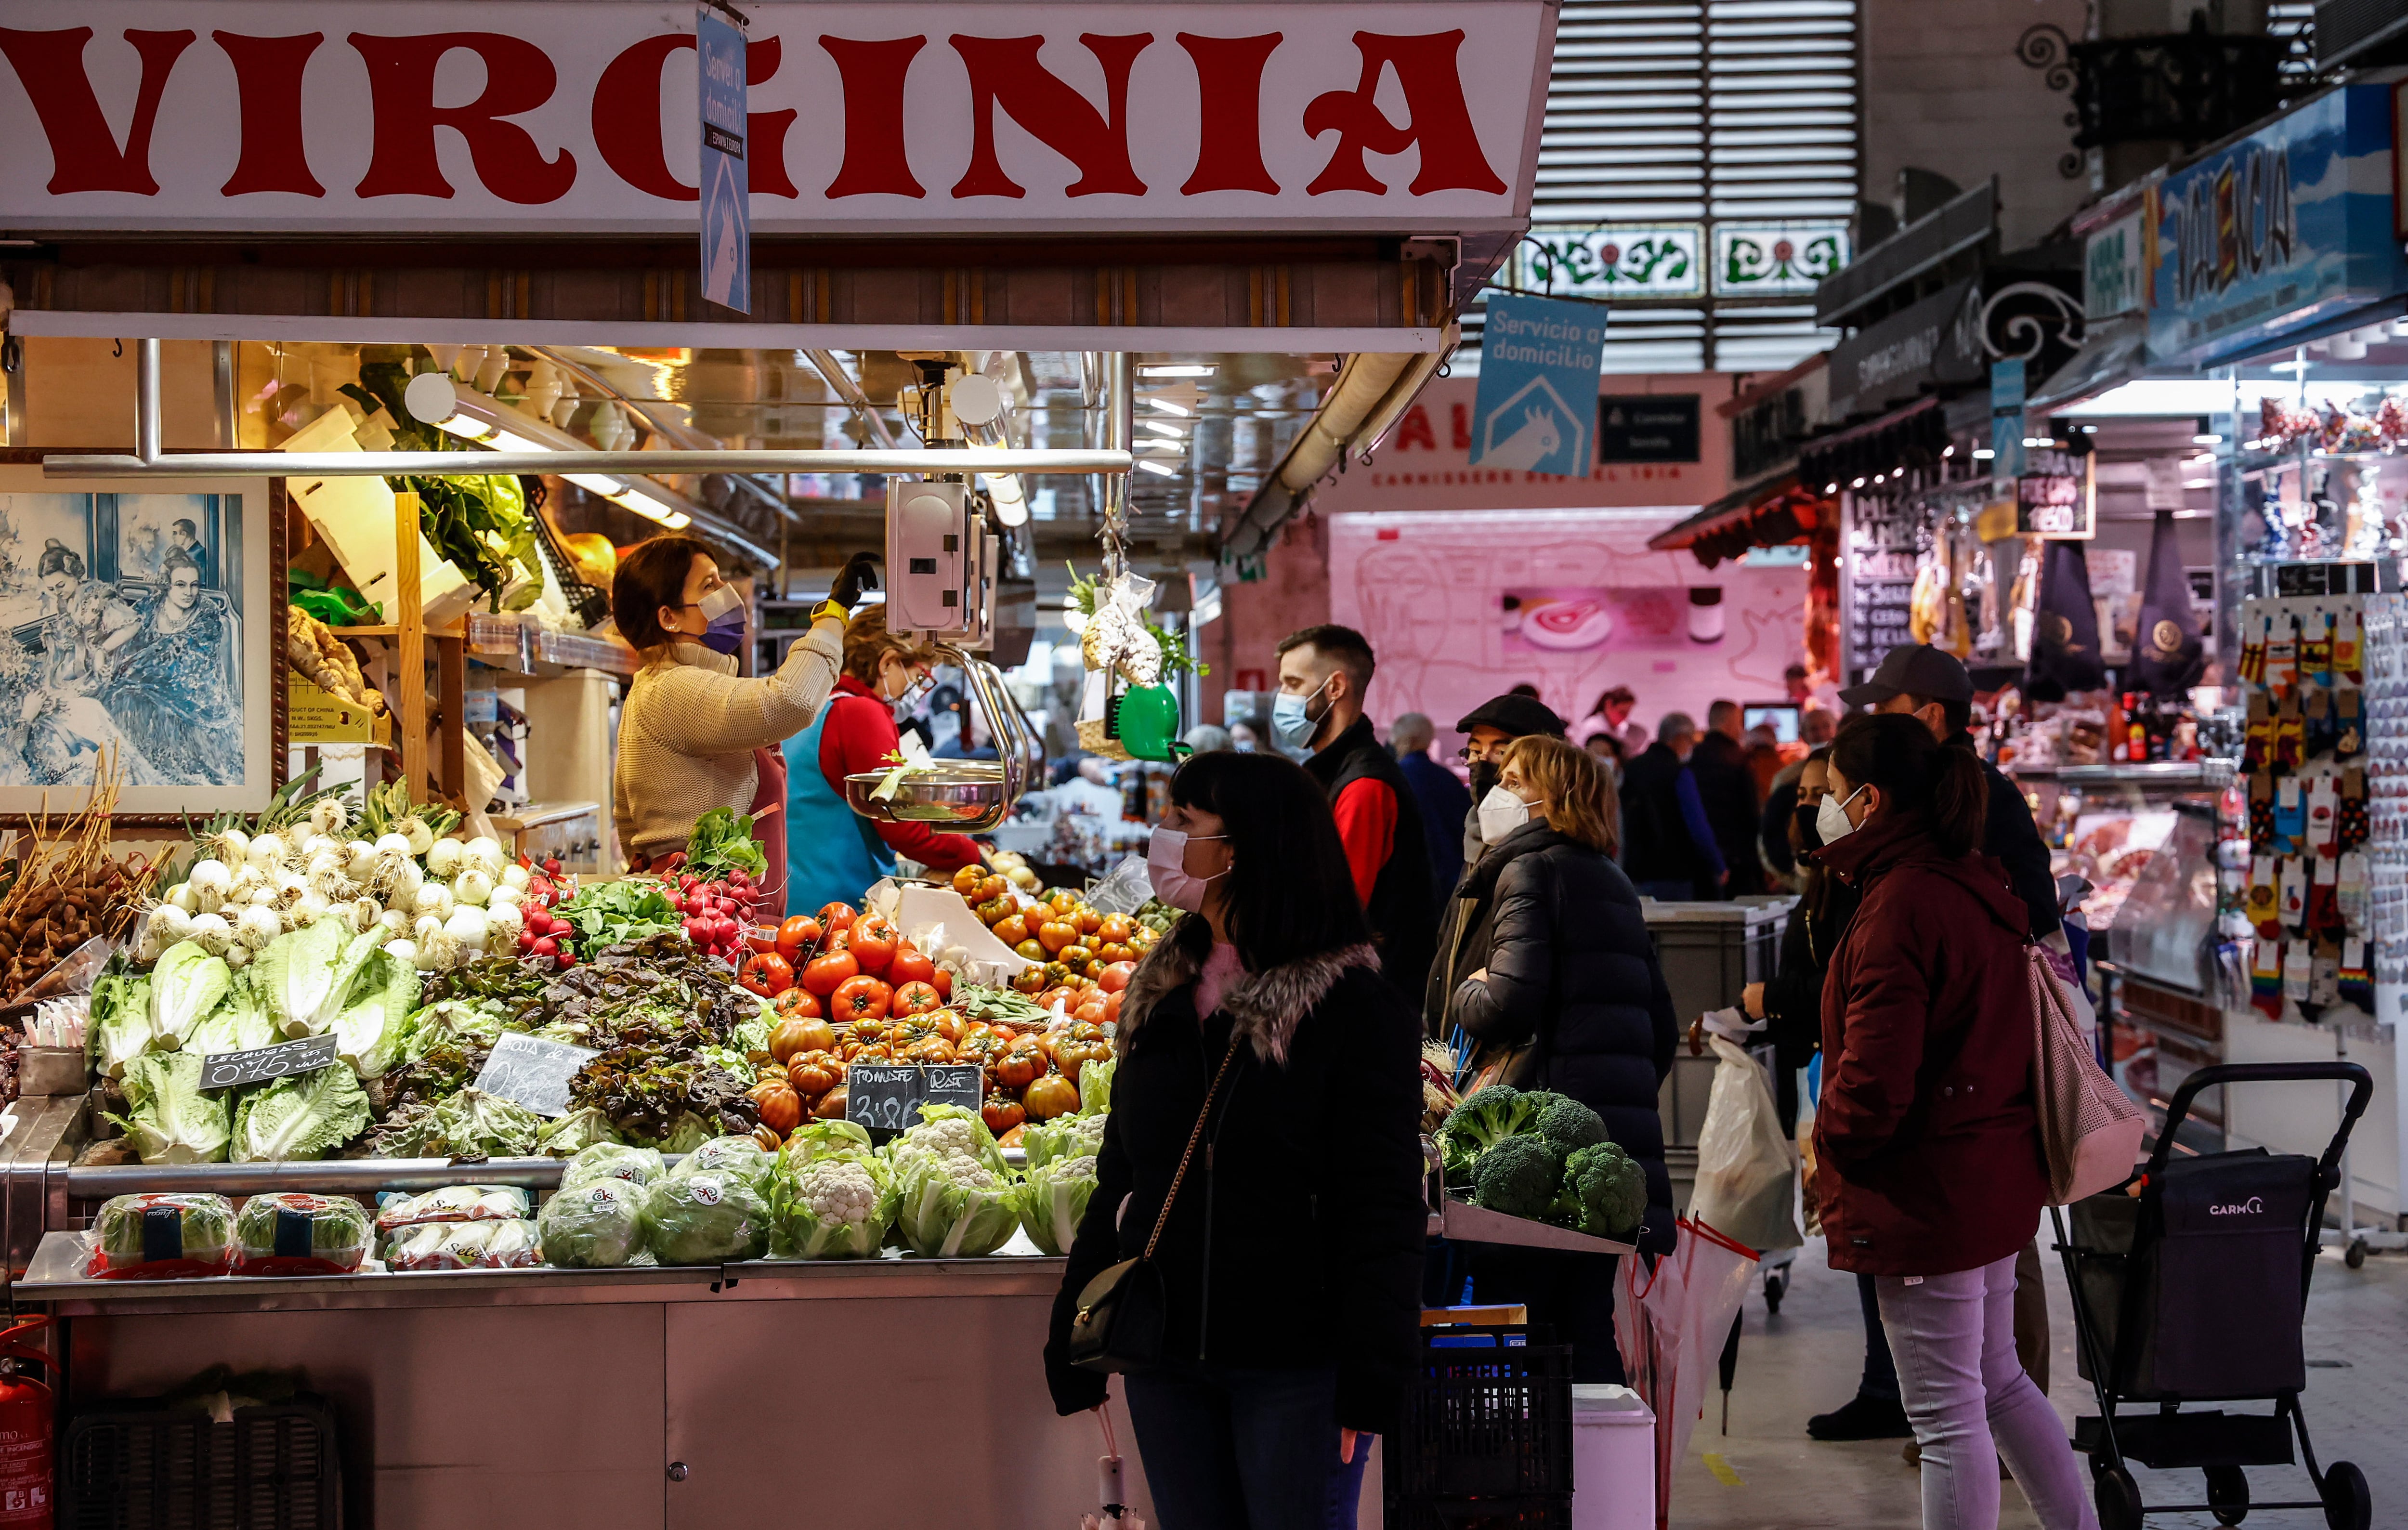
[1489, 1416]
[143, 1467]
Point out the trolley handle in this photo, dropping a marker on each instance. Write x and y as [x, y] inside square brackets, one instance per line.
[2361, 1092]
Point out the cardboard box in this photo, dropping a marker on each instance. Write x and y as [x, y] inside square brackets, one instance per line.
[315, 716]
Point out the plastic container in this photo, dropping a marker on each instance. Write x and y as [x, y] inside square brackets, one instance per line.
[1489, 1418]
[1614, 1459]
[162, 1235]
[1710, 951]
[141, 1467]
[293, 1232]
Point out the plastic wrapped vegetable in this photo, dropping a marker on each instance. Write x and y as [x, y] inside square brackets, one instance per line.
[162, 1235]
[637, 1166]
[709, 1218]
[1064, 1136]
[173, 1121]
[834, 1208]
[295, 1233]
[1053, 1198]
[467, 1245]
[596, 1225]
[452, 1203]
[737, 1155]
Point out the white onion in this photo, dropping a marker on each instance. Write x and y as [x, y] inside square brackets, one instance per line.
[268, 851]
[238, 955]
[394, 920]
[257, 927]
[364, 912]
[504, 916]
[420, 836]
[181, 898]
[174, 923]
[402, 950]
[515, 876]
[425, 927]
[320, 844]
[209, 881]
[506, 896]
[434, 898]
[328, 816]
[468, 926]
[247, 880]
[438, 952]
[152, 944]
[311, 908]
[265, 897]
[362, 856]
[214, 933]
[403, 889]
[290, 887]
[472, 886]
[485, 854]
[443, 858]
[231, 846]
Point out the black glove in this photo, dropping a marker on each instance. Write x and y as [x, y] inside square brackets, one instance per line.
[862, 571]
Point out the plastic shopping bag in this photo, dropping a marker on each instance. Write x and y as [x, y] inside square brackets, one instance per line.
[1747, 1168]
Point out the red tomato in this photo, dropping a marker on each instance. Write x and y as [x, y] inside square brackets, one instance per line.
[1091, 1011]
[824, 973]
[916, 998]
[943, 983]
[836, 916]
[796, 936]
[1112, 1004]
[873, 943]
[1116, 977]
[910, 966]
[1065, 996]
[861, 997]
[766, 974]
[801, 1002]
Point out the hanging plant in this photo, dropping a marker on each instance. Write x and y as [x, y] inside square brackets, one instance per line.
[479, 522]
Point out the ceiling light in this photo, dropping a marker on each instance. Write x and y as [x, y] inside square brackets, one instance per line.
[1010, 498]
[2287, 367]
[594, 484]
[1948, 450]
[1150, 465]
[1176, 369]
[1166, 406]
[1157, 443]
[1983, 454]
[1881, 477]
[1160, 429]
[1831, 487]
[2206, 440]
[2039, 440]
[1856, 483]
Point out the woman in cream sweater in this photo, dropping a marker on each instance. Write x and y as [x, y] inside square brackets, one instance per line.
[694, 734]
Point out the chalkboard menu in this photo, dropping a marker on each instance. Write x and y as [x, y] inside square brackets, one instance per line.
[533, 1073]
[227, 1069]
[887, 1096]
[1881, 589]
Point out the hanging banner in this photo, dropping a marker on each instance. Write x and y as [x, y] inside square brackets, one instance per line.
[727, 198]
[1539, 365]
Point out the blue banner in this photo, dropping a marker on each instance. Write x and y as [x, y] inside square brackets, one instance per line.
[726, 188]
[2007, 418]
[1539, 365]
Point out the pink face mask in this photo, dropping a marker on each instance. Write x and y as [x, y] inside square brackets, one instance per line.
[1166, 867]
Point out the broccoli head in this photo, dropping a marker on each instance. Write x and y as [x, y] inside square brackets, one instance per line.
[1479, 1123]
[1518, 1177]
[1568, 1124]
[1604, 1192]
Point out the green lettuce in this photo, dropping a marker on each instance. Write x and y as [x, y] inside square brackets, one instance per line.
[949, 1207]
[1051, 1199]
[305, 976]
[306, 1116]
[473, 1124]
[575, 1132]
[185, 986]
[372, 1033]
[118, 1029]
[239, 1024]
[596, 1225]
[737, 1155]
[173, 1121]
[1096, 1085]
[705, 1219]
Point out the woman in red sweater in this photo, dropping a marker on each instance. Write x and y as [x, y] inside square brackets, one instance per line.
[834, 853]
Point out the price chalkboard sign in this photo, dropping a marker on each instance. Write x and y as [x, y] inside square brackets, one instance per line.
[887, 1096]
[533, 1073]
[225, 1069]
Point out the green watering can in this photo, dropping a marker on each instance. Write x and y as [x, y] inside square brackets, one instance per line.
[1145, 719]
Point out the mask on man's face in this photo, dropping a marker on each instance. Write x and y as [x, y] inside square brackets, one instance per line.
[1484, 777]
[1810, 834]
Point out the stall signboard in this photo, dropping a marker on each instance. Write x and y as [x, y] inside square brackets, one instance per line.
[2113, 279]
[2276, 234]
[1647, 427]
[549, 117]
[1539, 362]
[1890, 362]
[886, 1097]
[533, 1072]
[2058, 500]
[727, 201]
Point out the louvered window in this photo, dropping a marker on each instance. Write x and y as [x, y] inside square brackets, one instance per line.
[1698, 167]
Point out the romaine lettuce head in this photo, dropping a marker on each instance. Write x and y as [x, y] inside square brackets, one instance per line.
[637, 1166]
[340, 1229]
[949, 1207]
[239, 1024]
[575, 1132]
[119, 1030]
[306, 1116]
[1096, 1085]
[705, 1219]
[837, 1207]
[1064, 1136]
[186, 984]
[1051, 1199]
[737, 1155]
[598, 1224]
[207, 1222]
[173, 1121]
[305, 976]
[372, 1031]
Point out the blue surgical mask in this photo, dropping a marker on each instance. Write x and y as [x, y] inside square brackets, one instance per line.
[724, 608]
[1292, 722]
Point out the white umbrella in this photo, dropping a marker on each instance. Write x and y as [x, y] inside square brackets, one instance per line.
[1670, 1324]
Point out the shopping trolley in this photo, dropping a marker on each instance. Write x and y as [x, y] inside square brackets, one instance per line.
[2194, 1291]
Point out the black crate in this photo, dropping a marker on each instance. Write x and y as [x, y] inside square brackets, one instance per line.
[1489, 1415]
[141, 1467]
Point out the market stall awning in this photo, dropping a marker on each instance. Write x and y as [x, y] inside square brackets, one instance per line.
[1913, 436]
[2115, 352]
[1763, 515]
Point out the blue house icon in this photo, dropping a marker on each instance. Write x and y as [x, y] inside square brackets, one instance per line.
[1535, 431]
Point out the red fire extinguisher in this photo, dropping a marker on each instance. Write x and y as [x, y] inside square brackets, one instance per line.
[28, 1416]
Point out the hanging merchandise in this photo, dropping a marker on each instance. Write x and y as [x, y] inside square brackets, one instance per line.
[2167, 651]
[2064, 625]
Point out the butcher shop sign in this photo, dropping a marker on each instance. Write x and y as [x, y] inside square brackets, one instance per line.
[386, 117]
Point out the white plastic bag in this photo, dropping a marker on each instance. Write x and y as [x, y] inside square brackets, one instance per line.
[1747, 1168]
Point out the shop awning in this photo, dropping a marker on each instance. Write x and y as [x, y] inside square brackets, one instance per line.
[1915, 435]
[1763, 515]
[2115, 352]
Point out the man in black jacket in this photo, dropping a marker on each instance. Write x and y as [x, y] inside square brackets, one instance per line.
[1668, 844]
[1727, 786]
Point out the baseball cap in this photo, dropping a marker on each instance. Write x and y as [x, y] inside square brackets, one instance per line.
[1520, 716]
[1914, 669]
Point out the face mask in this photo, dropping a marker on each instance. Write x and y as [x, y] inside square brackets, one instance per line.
[1291, 718]
[724, 608]
[909, 701]
[1810, 833]
[1243, 746]
[1166, 867]
[1500, 813]
[1484, 777]
[1831, 817]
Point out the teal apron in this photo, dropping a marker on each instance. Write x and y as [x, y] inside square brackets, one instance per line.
[832, 853]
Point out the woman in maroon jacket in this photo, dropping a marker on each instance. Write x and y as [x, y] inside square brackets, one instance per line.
[1927, 1143]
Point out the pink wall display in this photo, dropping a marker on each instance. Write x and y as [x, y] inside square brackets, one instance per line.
[1463, 605]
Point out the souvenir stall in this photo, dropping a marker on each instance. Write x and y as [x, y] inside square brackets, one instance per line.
[363, 1101]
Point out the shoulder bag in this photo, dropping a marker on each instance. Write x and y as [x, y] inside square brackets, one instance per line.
[1124, 1311]
[2089, 1130]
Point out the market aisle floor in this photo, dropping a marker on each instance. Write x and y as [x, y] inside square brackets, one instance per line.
[1806, 1360]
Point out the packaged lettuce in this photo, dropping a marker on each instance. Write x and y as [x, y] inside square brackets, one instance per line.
[293, 1232]
[162, 1235]
[637, 1166]
[739, 1155]
[596, 1225]
[706, 1218]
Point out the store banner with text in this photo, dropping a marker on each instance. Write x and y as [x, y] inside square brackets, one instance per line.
[726, 203]
[1538, 363]
[576, 116]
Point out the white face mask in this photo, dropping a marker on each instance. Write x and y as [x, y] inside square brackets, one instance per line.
[1831, 817]
[1166, 867]
[1500, 813]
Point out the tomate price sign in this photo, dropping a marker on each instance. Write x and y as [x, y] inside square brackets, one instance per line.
[886, 1097]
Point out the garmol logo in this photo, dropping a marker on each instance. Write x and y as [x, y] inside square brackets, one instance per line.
[2253, 1206]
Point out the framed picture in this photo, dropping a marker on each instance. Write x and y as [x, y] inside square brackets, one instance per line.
[140, 620]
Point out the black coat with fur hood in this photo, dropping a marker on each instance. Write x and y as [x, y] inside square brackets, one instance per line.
[1296, 1238]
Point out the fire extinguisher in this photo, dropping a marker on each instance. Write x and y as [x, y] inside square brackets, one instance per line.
[28, 1417]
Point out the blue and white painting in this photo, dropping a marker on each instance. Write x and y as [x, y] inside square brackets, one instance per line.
[2288, 229]
[123, 628]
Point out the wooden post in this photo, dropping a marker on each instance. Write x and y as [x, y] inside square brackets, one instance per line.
[451, 676]
[411, 618]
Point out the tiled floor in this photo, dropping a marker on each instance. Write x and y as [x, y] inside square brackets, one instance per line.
[1807, 1359]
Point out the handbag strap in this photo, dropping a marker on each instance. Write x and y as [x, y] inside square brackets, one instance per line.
[1163, 1218]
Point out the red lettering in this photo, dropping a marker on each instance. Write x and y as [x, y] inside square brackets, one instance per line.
[1436, 116]
[519, 77]
[1460, 414]
[875, 160]
[1229, 83]
[765, 131]
[84, 155]
[1004, 72]
[1414, 431]
[627, 122]
[267, 83]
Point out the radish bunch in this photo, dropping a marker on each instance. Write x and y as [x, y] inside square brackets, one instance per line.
[717, 914]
